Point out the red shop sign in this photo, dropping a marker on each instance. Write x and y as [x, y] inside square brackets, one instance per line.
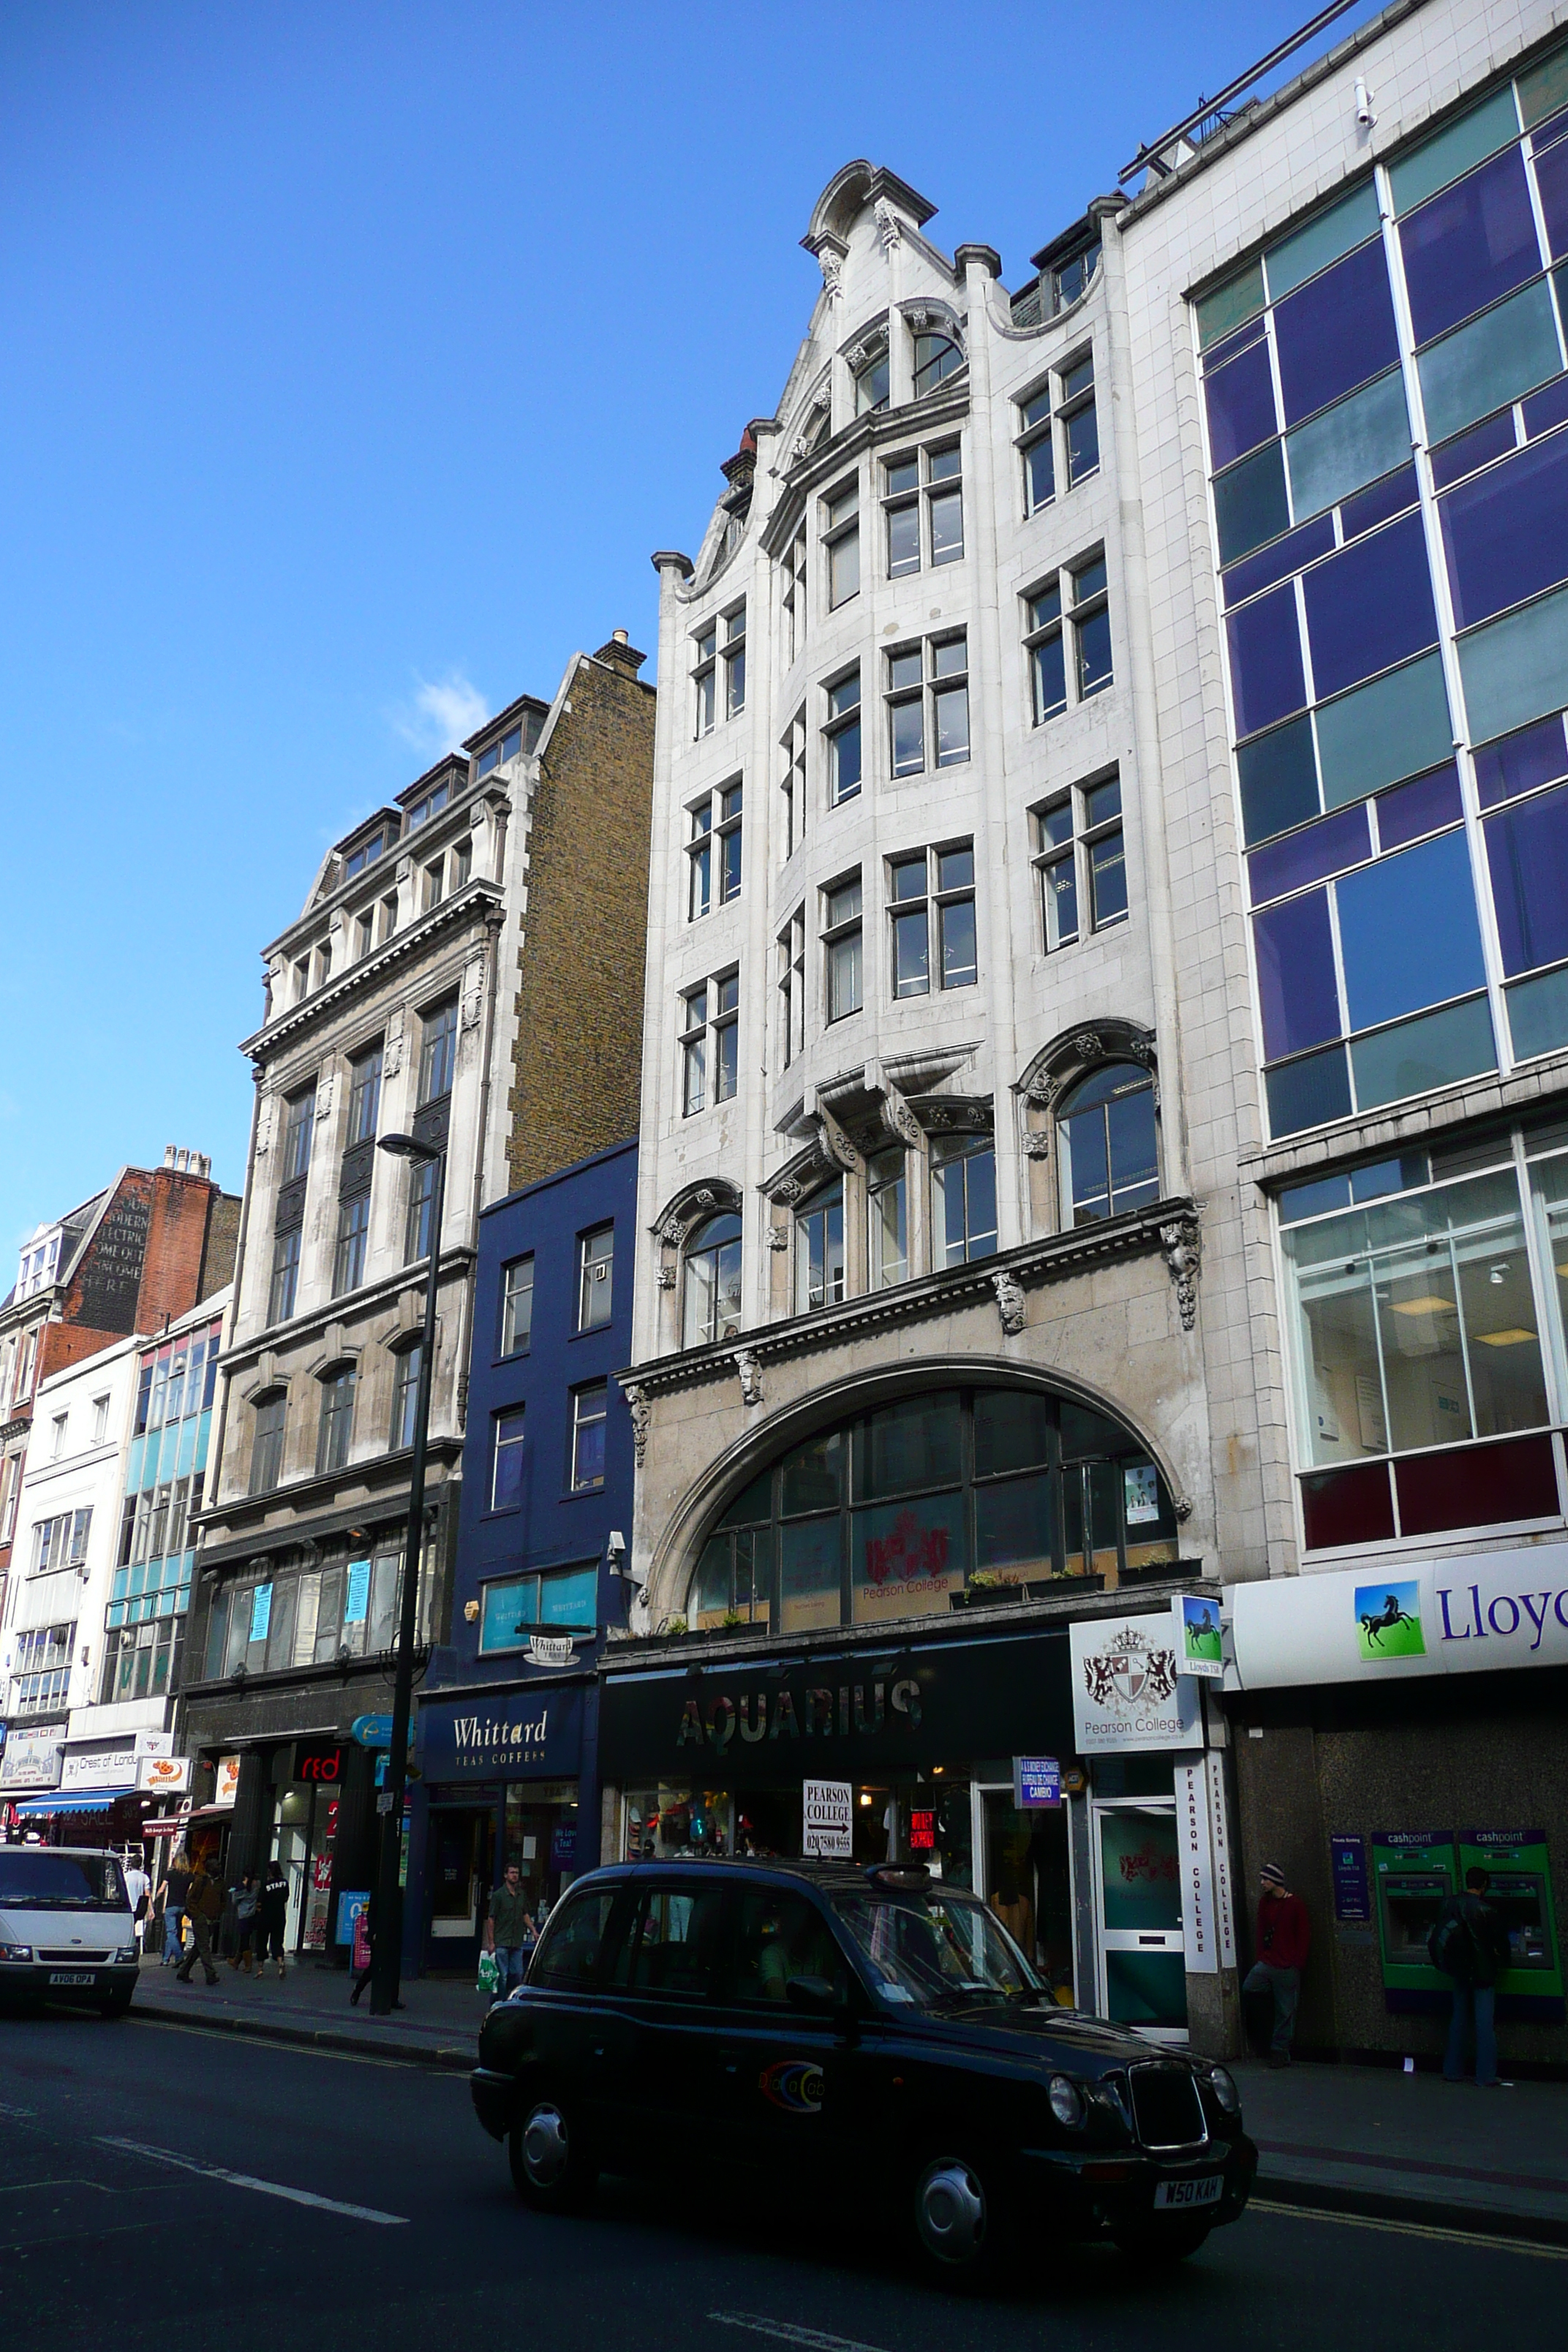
[321, 1762]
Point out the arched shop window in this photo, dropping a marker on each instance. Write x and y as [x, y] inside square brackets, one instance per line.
[1109, 1154]
[713, 1309]
[891, 1513]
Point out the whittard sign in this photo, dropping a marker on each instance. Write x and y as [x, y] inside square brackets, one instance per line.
[1471, 1615]
[535, 1733]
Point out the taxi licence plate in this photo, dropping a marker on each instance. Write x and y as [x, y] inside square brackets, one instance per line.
[1208, 2191]
[65, 1977]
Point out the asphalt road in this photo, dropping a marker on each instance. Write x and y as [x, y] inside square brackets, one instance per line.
[163, 2185]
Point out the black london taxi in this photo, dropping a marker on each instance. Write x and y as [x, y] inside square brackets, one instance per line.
[861, 2029]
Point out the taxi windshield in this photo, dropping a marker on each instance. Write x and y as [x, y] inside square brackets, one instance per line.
[936, 1949]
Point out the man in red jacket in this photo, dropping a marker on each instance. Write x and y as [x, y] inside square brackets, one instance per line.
[1284, 1933]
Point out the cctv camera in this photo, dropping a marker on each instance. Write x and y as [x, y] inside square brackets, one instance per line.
[1363, 108]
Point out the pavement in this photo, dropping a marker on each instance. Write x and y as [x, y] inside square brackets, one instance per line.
[1354, 2139]
[159, 2182]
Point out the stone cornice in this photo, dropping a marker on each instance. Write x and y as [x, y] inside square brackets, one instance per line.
[480, 895]
[457, 1259]
[1052, 1259]
[314, 1499]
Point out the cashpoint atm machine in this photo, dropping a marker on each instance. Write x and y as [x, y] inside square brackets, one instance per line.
[1413, 1875]
[1521, 1894]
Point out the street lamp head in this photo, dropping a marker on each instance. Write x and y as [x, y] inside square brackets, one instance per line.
[405, 1147]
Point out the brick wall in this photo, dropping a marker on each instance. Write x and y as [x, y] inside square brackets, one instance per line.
[576, 1084]
[221, 1244]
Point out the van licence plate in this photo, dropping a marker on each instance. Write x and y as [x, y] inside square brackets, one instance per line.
[68, 1977]
[1208, 2191]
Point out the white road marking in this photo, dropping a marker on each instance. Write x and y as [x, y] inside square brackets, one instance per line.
[1480, 2238]
[72, 2180]
[781, 2328]
[248, 2180]
[26, 2114]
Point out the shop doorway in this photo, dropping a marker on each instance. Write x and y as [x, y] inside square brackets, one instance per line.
[1029, 1882]
[304, 1830]
[461, 1848]
[1140, 1941]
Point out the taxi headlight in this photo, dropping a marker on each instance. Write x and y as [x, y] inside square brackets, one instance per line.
[1067, 2101]
[1222, 2082]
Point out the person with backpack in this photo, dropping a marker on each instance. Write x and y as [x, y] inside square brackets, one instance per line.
[244, 1896]
[1468, 1945]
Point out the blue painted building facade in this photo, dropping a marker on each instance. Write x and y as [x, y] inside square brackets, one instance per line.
[507, 1724]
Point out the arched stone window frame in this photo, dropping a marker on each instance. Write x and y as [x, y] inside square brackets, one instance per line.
[1071, 1056]
[678, 1220]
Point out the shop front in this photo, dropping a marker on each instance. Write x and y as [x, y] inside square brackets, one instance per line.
[501, 1782]
[1393, 1731]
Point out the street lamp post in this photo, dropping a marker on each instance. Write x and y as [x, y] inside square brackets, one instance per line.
[386, 1954]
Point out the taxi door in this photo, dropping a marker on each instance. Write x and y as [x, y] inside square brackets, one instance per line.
[666, 1979]
[791, 2081]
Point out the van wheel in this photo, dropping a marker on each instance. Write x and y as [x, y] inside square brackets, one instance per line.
[1161, 2242]
[116, 2006]
[957, 2218]
[552, 2167]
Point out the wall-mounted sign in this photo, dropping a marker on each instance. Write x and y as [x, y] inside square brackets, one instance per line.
[1478, 1613]
[154, 1743]
[1195, 1623]
[550, 1650]
[828, 1824]
[922, 1829]
[372, 1731]
[104, 1767]
[1128, 1691]
[356, 1603]
[1037, 1782]
[226, 1788]
[320, 1762]
[1352, 1889]
[532, 1734]
[166, 1774]
[1195, 1852]
[33, 1759]
[1219, 1838]
[110, 1277]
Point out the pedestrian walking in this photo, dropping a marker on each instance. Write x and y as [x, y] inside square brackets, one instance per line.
[1468, 1945]
[173, 1890]
[1284, 1932]
[271, 1915]
[203, 1908]
[509, 1931]
[244, 1896]
[139, 1889]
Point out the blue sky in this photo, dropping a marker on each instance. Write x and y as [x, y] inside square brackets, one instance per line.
[355, 358]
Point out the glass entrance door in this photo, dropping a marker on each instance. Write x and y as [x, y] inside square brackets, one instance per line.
[1142, 1945]
[1028, 1883]
[460, 1845]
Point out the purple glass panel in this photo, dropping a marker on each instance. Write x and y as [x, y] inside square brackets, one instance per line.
[1517, 763]
[1296, 975]
[1267, 680]
[1552, 179]
[1548, 134]
[1370, 507]
[1476, 1487]
[1545, 408]
[1276, 562]
[1370, 606]
[1474, 242]
[1527, 849]
[1217, 353]
[1346, 1506]
[1469, 450]
[1506, 532]
[1335, 332]
[1340, 840]
[1424, 805]
[1241, 406]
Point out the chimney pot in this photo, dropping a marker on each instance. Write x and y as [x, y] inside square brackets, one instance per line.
[620, 636]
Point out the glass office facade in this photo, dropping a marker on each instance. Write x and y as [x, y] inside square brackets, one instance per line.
[151, 1588]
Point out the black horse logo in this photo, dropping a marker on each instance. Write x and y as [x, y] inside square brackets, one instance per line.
[1374, 1624]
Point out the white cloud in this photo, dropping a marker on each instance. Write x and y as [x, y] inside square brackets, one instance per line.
[444, 712]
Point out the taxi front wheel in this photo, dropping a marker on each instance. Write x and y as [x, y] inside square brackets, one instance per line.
[553, 2167]
[957, 2218]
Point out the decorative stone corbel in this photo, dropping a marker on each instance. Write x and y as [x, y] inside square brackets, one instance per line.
[889, 227]
[1036, 1143]
[1009, 1301]
[664, 1277]
[641, 1413]
[749, 1372]
[836, 1144]
[266, 1122]
[831, 275]
[324, 1093]
[900, 1119]
[778, 1237]
[1181, 1244]
[392, 1052]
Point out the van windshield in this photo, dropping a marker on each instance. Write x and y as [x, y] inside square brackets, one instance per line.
[34, 1879]
[936, 1949]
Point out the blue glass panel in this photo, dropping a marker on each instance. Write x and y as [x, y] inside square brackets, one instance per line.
[1552, 179]
[1536, 755]
[1495, 359]
[1310, 856]
[1328, 235]
[1241, 406]
[570, 1600]
[1335, 333]
[1408, 932]
[1514, 669]
[186, 1456]
[1298, 1201]
[1527, 849]
[1419, 1054]
[1308, 1093]
[1380, 503]
[1480, 132]
[1469, 244]
[1296, 990]
[134, 1466]
[1276, 562]
[1370, 606]
[1478, 447]
[1249, 503]
[1421, 806]
[1229, 346]
[1389, 729]
[1279, 781]
[1375, 1183]
[116, 1615]
[1547, 134]
[1266, 681]
[1350, 444]
[1538, 1014]
[1546, 408]
[1506, 532]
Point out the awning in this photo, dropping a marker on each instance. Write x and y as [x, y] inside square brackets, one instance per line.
[90, 1801]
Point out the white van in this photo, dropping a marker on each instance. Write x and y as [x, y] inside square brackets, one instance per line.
[67, 1932]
